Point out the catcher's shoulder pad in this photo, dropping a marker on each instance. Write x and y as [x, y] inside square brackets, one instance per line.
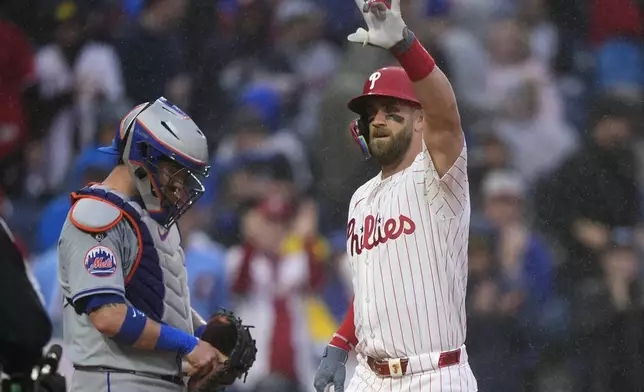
[94, 215]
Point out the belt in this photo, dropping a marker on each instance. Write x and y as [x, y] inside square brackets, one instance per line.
[397, 367]
[103, 369]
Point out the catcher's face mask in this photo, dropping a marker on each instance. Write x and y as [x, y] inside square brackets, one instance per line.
[167, 156]
[179, 186]
[175, 186]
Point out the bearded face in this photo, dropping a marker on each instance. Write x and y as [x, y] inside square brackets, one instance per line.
[390, 130]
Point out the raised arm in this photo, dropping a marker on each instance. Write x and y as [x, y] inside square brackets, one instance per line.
[443, 135]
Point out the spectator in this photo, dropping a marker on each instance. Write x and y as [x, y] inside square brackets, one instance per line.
[341, 20]
[304, 237]
[526, 104]
[609, 314]
[492, 155]
[234, 59]
[616, 29]
[522, 254]
[257, 129]
[495, 339]
[74, 75]
[153, 63]
[477, 15]
[270, 289]
[543, 36]
[313, 59]
[592, 192]
[108, 118]
[337, 289]
[16, 75]
[465, 59]
[247, 179]
[340, 164]
[204, 264]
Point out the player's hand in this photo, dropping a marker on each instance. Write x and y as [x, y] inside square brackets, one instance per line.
[385, 25]
[203, 359]
[332, 370]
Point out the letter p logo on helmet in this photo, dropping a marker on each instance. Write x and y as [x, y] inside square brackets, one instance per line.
[373, 77]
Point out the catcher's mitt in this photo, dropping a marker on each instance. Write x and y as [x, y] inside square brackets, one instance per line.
[225, 332]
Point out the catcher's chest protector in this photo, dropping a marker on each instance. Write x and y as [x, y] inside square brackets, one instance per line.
[156, 283]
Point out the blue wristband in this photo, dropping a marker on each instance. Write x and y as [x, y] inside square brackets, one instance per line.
[173, 339]
[132, 327]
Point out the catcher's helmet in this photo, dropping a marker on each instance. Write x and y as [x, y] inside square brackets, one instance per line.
[390, 82]
[156, 132]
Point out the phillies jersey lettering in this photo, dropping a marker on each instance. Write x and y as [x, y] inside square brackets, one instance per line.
[374, 232]
[407, 241]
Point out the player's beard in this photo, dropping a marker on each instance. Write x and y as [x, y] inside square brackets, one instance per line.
[390, 150]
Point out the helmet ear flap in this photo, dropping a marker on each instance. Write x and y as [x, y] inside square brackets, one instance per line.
[360, 133]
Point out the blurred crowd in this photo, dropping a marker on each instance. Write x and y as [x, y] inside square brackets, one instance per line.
[550, 93]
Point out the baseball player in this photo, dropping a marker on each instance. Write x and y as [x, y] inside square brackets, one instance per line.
[127, 318]
[408, 227]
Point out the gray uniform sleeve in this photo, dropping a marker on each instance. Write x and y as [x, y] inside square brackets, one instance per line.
[93, 251]
[90, 263]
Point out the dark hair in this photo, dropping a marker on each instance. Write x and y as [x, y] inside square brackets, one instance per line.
[611, 106]
[274, 166]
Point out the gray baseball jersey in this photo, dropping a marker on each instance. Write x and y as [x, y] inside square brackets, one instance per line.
[109, 244]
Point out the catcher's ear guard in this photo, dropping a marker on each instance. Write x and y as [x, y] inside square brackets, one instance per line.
[360, 133]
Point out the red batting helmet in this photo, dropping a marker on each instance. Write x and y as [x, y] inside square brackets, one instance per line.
[385, 82]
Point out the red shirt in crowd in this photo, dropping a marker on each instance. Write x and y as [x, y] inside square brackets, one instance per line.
[614, 19]
[16, 72]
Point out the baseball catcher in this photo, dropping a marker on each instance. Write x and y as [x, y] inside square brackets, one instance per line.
[128, 323]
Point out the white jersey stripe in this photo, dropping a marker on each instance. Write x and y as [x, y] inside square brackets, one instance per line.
[448, 317]
[384, 300]
[436, 280]
[422, 274]
[397, 306]
[412, 329]
[417, 269]
[417, 328]
[428, 234]
[388, 327]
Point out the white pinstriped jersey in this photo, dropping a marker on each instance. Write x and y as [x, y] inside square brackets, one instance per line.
[407, 245]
